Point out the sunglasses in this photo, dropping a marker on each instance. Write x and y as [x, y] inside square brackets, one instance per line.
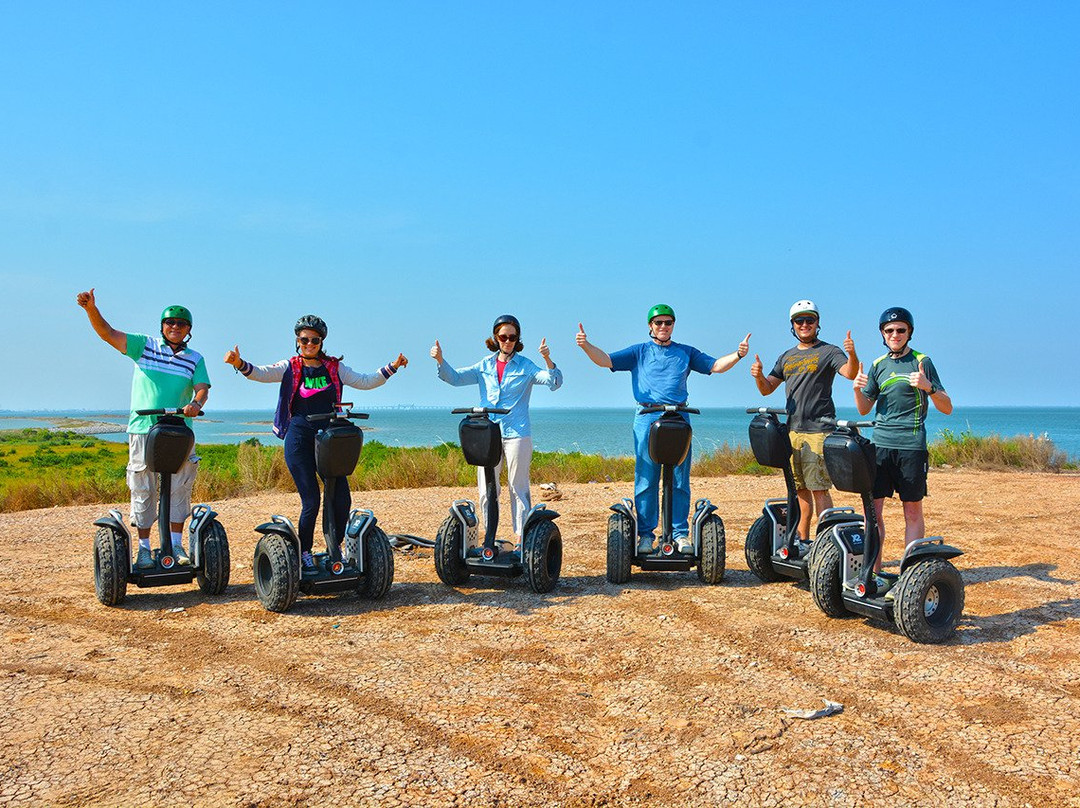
[309, 340]
[174, 322]
[663, 323]
[507, 337]
[899, 331]
[804, 320]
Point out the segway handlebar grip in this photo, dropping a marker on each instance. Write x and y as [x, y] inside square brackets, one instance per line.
[165, 411]
[843, 424]
[479, 411]
[765, 411]
[668, 408]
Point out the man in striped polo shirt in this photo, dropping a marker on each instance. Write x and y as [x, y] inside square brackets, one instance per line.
[168, 374]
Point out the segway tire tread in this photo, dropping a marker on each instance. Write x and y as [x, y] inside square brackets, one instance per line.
[542, 556]
[378, 566]
[213, 576]
[620, 549]
[110, 567]
[449, 564]
[713, 561]
[909, 610]
[277, 573]
[824, 574]
[759, 550]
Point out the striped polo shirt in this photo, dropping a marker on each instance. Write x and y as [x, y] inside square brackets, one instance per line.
[161, 378]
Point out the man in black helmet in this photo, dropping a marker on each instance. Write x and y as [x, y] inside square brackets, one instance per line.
[903, 382]
[168, 374]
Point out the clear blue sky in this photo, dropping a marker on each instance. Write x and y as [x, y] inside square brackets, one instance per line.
[410, 170]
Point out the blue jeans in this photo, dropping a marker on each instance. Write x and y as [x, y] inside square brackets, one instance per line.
[647, 485]
[300, 460]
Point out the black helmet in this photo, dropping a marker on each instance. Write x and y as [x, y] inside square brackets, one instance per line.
[897, 313]
[506, 319]
[312, 322]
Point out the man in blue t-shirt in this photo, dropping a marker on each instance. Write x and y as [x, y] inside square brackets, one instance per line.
[659, 369]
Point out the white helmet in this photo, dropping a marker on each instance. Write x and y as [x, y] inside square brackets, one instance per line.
[804, 307]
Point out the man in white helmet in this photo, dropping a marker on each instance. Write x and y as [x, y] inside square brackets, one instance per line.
[807, 371]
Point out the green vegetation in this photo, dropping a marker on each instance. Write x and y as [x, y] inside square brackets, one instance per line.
[40, 468]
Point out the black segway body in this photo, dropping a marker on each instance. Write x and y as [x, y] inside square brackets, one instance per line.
[169, 443]
[358, 558]
[774, 549]
[670, 437]
[459, 552]
[925, 600]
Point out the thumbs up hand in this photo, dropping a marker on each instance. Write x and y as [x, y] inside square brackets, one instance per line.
[232, 357]
[861, 379]
[744, 347]
[436, 351]
[545, 351]
[918, 378]
[756, 368]
[580, 337]
[849, 344]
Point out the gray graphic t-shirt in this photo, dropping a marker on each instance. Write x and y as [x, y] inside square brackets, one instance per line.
[808, 379]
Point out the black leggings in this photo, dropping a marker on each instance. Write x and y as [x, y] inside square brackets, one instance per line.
[300, 460]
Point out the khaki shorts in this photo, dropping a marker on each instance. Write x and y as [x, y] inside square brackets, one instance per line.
[144, 486]
[808, 461]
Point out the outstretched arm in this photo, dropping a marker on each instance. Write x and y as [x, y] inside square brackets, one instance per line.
[117, 339]
[598, 356]
[728, 362]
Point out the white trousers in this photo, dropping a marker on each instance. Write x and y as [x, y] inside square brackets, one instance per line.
[144, 486]
[517, 454]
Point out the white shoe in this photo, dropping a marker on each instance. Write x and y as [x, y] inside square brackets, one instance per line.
[685, 546]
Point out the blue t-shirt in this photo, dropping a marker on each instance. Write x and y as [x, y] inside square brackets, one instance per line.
[659, 372]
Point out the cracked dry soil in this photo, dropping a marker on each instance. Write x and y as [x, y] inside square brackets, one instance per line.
[664, 691]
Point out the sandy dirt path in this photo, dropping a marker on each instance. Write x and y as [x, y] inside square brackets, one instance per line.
[663, 691]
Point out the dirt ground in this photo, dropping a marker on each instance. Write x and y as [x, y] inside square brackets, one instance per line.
[663, 692]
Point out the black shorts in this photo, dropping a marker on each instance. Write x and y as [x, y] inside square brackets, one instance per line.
[901, 471]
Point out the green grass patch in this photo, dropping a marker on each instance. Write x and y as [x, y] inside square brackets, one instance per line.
[40, 468]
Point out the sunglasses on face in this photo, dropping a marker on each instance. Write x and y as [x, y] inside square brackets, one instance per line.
[309, 340]
[507, 337]
[898, 331]
[804, 320]
[174, 323]
[663, 323]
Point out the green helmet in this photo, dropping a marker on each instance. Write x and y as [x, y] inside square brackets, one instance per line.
[177, 312]
[661, 308]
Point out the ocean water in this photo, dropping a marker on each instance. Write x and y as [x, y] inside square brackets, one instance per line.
[604, 431]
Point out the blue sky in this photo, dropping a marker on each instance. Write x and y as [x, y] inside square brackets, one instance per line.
[411, 170]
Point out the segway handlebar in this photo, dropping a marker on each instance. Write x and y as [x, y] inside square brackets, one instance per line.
[668, 408]
[340, 411]
[844, 424]
[480, 411]
[166, 411]
[765, 411]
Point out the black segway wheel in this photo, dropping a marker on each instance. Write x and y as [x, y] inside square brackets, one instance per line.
[826, 580]
[620, 548]
[276, 571]
[378, 566]
[759, 550]
[542, 556]
[213, 574]
[448, 561]
[713, 561]
[111, 563]
[929, 601]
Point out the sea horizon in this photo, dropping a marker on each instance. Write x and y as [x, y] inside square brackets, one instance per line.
[591, 430]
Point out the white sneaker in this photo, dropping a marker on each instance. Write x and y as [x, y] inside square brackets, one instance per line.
[684, 545]
[180, 555]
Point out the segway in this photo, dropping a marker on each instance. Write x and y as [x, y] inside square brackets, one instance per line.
[168, 445]
[364, 565]
[925, 601]
[773, 551]
[458, 552]
[669, 442]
